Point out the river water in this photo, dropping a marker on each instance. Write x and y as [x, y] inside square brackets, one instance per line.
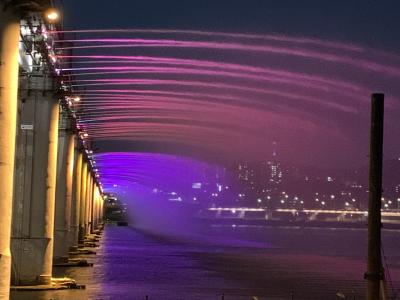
[241, 262]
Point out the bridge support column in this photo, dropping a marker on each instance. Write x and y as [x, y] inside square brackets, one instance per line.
[34, 198]
[64, 189]
[9, 38]
[87, 205]
[91, 204]
[76, 200]
[98, 221]
[92, 194]
[102, 210]
[82, 211]
[96, 207]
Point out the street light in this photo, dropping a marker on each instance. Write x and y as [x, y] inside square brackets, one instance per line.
[51, 15]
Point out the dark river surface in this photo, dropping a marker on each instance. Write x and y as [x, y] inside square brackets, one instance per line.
[241, 262]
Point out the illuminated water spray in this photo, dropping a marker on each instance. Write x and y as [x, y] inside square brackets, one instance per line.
[223, 97]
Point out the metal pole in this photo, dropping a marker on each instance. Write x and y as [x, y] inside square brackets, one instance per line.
[374, 266]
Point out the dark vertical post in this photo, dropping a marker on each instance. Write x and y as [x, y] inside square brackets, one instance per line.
[374, 266]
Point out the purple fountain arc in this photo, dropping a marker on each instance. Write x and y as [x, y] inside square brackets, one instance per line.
[226, 94]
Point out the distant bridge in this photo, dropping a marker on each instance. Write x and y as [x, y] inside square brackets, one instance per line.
[297, 215]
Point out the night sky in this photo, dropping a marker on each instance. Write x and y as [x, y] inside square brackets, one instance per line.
[372, 23]
[330, 134]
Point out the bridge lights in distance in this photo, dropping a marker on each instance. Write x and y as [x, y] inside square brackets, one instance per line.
[52, 15]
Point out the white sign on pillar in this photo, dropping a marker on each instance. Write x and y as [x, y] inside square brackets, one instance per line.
[26, 127]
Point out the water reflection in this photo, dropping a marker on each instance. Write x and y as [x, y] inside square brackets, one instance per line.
[241, 262]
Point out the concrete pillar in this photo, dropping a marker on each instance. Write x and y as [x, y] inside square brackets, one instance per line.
[99, 208]
[64, 188]
[94, 221]
[91, 200]
[82, 211]
[95, 207]
[99, 217]
[76, 200]
[101, 214]
[87, 207]
[9, 38]
[35, 186]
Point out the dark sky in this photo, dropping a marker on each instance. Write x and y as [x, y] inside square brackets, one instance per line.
[372, 23]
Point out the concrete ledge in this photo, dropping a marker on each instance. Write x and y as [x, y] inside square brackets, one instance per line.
[92, 238]
[60, 260]
[83, 251]
[56, 284]
[90, 244]
[74, 263]
[73, 248]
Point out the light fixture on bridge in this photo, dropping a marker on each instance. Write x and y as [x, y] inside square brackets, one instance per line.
[77, 99]
[53, 58]
[52, 15]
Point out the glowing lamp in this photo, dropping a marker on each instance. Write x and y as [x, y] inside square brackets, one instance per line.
[53, 58]
[77, 99]
[52, 15]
